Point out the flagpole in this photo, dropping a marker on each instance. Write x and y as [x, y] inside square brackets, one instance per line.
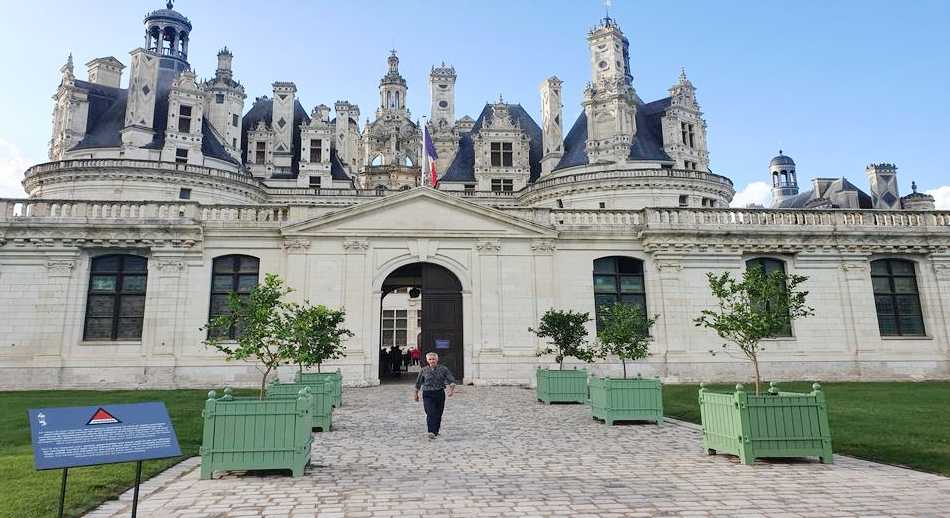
[424, 172]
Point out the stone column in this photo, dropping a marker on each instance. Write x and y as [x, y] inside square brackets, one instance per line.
[359, 308]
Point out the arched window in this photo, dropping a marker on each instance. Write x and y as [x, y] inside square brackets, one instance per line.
[231, 274]
[896, 298]
[618, 279]
[115, 304]
[769, 265]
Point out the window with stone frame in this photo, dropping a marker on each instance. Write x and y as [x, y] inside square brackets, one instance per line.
[181, 156]
[184, 119]
[316, 150]
[314, 182]
[618, 279]
[896, 298]
[115, 301]
[394, 327]
[234, 120]
[231, 274]
[502, 154]
[769, 265]
[219, 98]
[502, 185]
[469, 187]
[260, 153]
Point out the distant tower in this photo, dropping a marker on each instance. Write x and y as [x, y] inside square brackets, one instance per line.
[392, 89]
[610, 102]
[784, 180]
[552, 127]
[442, 89]
[882, 179]
[167, 34]
[226, 104]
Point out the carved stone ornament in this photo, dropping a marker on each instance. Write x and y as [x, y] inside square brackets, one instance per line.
[296, 245]
[543, 246]
[356, 246]
[942, 270]
[854, 267]
[669, 266]
[60, 267]
[170, 265]
[488, 247]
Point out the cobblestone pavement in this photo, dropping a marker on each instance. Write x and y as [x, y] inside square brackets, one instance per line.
[503, 454]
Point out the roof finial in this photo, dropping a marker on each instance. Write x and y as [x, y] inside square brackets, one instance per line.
[913, 186]
[170, 4]
[779, 152]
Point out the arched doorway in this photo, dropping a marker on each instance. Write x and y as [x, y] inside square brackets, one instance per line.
[440, 326]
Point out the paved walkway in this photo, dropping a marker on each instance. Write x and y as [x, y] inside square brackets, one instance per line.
[503, 454]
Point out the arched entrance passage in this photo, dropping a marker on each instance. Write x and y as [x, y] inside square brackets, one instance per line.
[441, 323]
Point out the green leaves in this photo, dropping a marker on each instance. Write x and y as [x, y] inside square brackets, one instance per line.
[758, 306]
[272, 331]
[625, 333]
[568, 336]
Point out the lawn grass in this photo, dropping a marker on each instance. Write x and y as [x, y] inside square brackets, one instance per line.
[898, 423]
[27, 492]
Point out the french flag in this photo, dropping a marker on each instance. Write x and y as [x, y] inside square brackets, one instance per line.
[431, 157]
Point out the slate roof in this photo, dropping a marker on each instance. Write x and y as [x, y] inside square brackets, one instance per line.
[646, 145]
[806, 199]
[263, 110]
[462, 168]
[337, 171]
[106, 118]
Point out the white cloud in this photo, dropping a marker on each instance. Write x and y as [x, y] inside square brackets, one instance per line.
[12, 166]
[759, 193]
[941, 197]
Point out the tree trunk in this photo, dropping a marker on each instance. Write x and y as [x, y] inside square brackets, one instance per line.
[318, 367]
[264, 383]
[624, 368]
[758, 381]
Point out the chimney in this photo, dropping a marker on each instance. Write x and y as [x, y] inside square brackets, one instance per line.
[224, 64]
[282, 122]
[105, 71]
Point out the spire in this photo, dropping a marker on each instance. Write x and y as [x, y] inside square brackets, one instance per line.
[683, 78]
[67, 69]
[393, 62]
[170, 4]
[913, 186]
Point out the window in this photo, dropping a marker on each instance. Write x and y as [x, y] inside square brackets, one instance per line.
[184, 193]
[603, 205]
[692, 142]
[181, 156]
[234, 142]
[618, 279]
[560, 203]
[768, 266]
[394, 327]
[684, 200]
[231, 274]
[234, 120]
[502, 185]
[501, 154]
[683, 133]
[896, 298]
[315, 182]
[260, 153]
[709, 202]
[184, 119]
[219, 98]
[469, 187]
[316, 150]
[115, 305]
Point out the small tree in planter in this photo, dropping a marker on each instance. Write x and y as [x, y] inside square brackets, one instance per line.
[265, 330]
[625, 333]
[758, 306]
[568, 338]
[317, 334]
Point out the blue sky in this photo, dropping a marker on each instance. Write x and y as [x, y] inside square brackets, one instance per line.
[835, 84]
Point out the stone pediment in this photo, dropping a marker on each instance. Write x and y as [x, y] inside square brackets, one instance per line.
[420, 212]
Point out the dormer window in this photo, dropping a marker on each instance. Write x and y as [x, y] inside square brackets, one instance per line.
[316, 151]
[502, 185]
[260, 152]
[501, 154]
[688, 134]
[184, 119]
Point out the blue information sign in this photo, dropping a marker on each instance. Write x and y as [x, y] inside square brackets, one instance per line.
[85, 436]
[441, 343]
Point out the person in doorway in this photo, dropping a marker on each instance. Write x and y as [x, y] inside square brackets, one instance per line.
[416, 355]
[432, 381]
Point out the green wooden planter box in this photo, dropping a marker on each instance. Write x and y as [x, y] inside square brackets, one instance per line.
[335, 379]
[775, 424]
[250, 433]
[631, 399]
[321, 412]
[562, 386]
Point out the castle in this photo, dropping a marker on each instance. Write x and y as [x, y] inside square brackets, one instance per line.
[162, 197]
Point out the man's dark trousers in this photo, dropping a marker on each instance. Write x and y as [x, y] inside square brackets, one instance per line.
[434, 403]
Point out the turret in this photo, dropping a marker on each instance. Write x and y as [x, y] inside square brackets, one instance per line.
[916, 200]
[442, 91]
[167, 33]
[784, 179]
[392, 88]
[882, 179]
[609, 100]
[551, 125]
[226, 103]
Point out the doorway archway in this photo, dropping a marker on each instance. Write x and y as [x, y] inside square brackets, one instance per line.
[441, 318]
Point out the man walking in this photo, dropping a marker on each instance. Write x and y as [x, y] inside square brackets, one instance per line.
[432, 381]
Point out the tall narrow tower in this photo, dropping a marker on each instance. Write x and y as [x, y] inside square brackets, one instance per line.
[784, 180]
[883, 182]
[609, 100]
[442, 87]
[392, 89]
[551, 125]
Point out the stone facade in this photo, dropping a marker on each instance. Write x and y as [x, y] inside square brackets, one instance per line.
[520, 218]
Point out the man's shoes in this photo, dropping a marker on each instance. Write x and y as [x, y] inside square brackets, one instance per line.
[431, 435]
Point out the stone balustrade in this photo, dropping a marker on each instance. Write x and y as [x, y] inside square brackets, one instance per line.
[605, 219]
